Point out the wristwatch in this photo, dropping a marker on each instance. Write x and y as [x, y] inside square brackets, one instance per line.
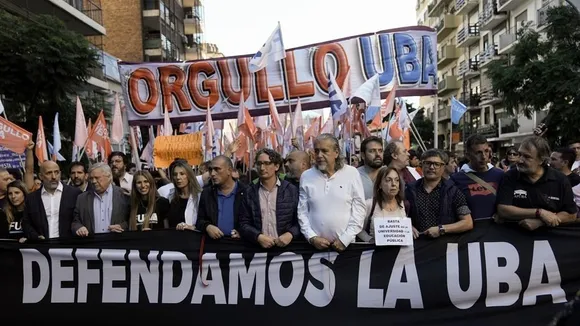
[441, 230]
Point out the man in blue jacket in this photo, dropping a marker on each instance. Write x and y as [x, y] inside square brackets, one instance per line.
[269, 214]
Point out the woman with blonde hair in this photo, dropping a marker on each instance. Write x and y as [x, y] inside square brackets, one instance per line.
[148, 209]
[388, 201]
[12, 212]
[184, 197]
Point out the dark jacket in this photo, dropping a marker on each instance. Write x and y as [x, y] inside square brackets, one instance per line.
[84, 214]
[286, 212]
[447, 212]
[35, 222]
[207, 212]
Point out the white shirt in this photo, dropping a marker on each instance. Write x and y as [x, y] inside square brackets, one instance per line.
[126, 182]
[166, 190]
[51, 204]
[333, 208]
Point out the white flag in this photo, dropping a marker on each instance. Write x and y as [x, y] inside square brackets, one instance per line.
[272, 51]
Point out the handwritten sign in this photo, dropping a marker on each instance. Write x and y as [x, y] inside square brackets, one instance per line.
[393, 231]
[11, 160]
[167, 148]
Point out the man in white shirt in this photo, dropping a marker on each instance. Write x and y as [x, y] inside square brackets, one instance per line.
[117, 162]
[331, 207]
[48, 212]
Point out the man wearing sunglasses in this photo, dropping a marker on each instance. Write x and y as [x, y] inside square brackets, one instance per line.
[437, 206]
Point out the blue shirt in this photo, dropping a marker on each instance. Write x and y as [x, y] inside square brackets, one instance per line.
[103, 207]
[225, 220]
[481, 201]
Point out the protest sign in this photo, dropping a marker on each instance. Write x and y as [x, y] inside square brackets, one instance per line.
[13, 137]
[11, 160]
[168, 148]
[493, 275]
[405, 56]
[393, 231]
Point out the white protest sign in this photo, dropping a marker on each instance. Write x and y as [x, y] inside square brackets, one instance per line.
[393, 231]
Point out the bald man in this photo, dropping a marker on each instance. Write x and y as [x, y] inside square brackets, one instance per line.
[49, 210]
[296, 163]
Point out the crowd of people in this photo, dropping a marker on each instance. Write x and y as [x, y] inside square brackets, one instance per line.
[318, 196]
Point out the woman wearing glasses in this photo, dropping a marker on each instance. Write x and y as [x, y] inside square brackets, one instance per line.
[388, 201]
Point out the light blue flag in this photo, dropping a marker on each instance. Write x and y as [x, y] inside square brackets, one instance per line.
[457, 110]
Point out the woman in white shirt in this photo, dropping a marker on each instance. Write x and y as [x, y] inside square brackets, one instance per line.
[388, 201]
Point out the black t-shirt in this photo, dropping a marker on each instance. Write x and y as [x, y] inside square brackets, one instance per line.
[11, 230]
[177, 212]
[574, 179]
[551, 192]
[157, 218]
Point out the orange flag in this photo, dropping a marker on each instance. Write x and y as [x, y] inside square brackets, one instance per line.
[13, 137]
[40, 150]
[100, 134]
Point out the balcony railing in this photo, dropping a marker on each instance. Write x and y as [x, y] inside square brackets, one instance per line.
[488, 54]
[152, 43]
[467, 31]
[470, 99]
[489, 96]
[490, 16]
[543, 13]
[508, 125]
[90, 8]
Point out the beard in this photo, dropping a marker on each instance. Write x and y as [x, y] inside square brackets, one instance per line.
[374, 164]
[323, 167]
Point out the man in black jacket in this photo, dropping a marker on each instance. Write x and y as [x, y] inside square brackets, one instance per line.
[49, 210]
[269, 217]
[220, 203]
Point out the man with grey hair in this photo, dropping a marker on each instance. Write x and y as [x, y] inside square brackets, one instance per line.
[331, 207]
[104, 209]
[437, 206]
[535, 194]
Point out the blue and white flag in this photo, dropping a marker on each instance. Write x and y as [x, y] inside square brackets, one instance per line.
[51, 151]
[338, 103]
[272, 51]
[370, 92]
[56, 136]
[457, 110]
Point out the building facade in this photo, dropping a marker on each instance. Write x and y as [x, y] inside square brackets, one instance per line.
[470, 35]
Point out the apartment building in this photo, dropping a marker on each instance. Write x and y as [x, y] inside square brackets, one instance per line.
[470, 35]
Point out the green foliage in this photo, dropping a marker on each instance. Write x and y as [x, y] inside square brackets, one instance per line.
[424, 126]
[544, 71]
[43, 66]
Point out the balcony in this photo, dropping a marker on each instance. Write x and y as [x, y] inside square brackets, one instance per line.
[491, 17]
[444, 114]
[469, 68]
[489, 97]
[447, 54]
[447, 84]
[488, 131]
[467, 36]
[488, 55]
[446, 25]
[152, 47]
[464, 7]
[434, 8]
[508, 5]
[542, 19]
[507, 41]
[471, 100]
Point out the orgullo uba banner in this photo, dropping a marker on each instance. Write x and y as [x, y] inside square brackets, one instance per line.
[406, 56]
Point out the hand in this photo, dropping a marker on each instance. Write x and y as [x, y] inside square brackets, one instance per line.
[415, 233]
[497, 219]
[235, 234]
[82, 232]
[551, 219]
[116, 228]
[22, 240]
[531, 224]
[41, 237]
[320, 243]
[338, 245]
[184, 226]
[284, 239]
[30, 145]
[433, 232]
[214, 232]
[146, 229]
[265, 241]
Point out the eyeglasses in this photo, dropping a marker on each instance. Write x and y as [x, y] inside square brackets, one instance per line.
[437, 165]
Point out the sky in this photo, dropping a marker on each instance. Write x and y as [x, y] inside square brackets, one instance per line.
[242, 26]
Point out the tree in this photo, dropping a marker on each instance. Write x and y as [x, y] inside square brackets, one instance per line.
[43, 66]
[544, 72]
[424, 127]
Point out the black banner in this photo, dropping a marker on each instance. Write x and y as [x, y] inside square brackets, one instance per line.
[494, 275]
